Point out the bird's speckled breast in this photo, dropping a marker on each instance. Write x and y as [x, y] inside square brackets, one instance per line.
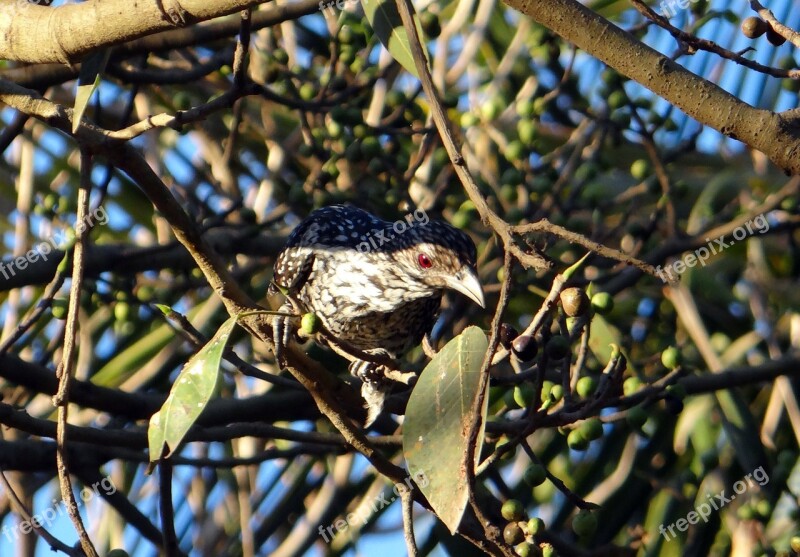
[365, 302]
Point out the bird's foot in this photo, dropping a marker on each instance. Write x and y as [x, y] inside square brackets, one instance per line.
[283, 329]
[376, 382]
[374, 396]
[370, 372]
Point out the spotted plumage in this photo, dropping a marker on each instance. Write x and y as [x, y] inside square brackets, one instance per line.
[375, 285]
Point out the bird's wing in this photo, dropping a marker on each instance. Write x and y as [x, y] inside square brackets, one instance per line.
[329, 227]
[293, 267]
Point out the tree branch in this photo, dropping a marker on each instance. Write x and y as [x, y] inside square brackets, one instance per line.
[66, 369]
[65, 34]
[42, 76]
[777, 135]
[127, 259]
[272, 406]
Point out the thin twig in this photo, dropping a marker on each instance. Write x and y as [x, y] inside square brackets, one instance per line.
[240, 59]
[574, 499]
[786, 32]
[544, 225]
[475, 429]
[242, 48]
[197, 338]
[710, 46]
[544, 310]
[22, 510]
[47, 298]
[66, 368]
[407, 501]
[165, 507]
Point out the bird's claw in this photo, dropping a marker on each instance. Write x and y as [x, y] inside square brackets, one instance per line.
[374, 396]
[369, 372]
[282, 330]
[376, 382]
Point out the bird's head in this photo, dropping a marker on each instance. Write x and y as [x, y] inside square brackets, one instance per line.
[441, 257]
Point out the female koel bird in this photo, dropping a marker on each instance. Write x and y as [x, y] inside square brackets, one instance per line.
[380, 297]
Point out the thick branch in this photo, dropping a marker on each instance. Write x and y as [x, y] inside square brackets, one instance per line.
[776, 135]
[38, 34]
[295, 405]
[42, 76]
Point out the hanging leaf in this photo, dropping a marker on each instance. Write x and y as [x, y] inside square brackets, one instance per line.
[388, 26]
[741, 429]
[437, 421]
[602, 337]
[131, 359]
[189, 395]
[88, 80]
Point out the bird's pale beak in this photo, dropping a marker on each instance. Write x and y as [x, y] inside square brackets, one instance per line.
[466, 282]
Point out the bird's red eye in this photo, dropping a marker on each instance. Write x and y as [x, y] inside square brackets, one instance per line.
[424, 261]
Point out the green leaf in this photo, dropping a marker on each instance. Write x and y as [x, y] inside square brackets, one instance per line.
[716, 193]
[602, 338]
[88, 80]
[567, 274]
[741, 429]
[609, 8]
[189, 395]
[132, 359]
[693, 426]
[739, 348]
[663, 508]
[388, 26]
[437, 418]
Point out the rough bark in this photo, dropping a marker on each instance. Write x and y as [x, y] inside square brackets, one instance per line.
[777, 135]
[39, 34]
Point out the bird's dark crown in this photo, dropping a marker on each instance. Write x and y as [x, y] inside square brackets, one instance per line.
[419, 258]
[441, 237]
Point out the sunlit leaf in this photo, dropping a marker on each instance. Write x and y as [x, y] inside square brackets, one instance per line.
[88, 80]
[436, 424]
[131, 359]
[388, 26]
[718, 191]
[189, 395]
[741, 429]
[693, 426]
[602, 337]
